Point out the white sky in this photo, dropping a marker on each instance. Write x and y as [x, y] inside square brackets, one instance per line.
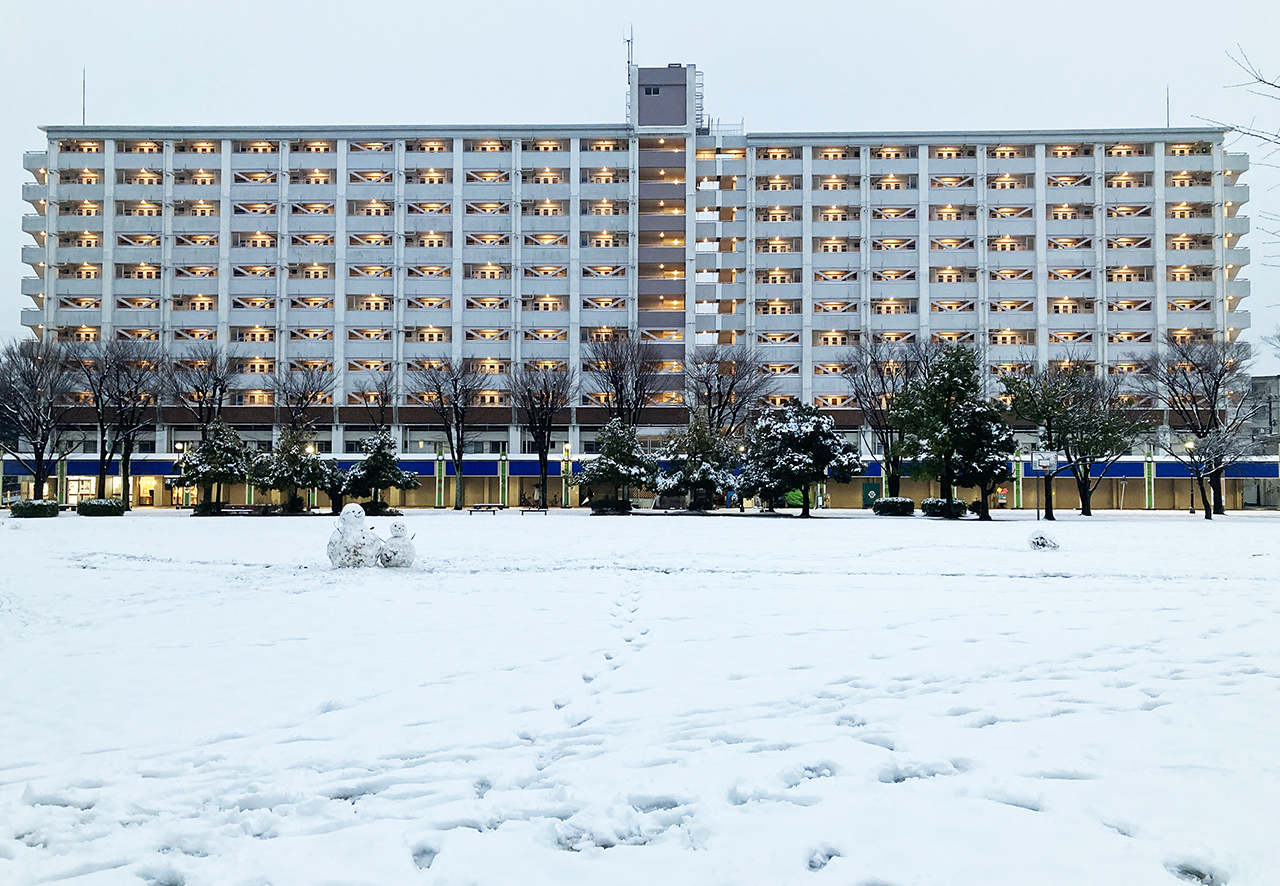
[780, 66]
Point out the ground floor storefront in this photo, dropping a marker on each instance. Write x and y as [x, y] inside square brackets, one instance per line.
[1136, 484]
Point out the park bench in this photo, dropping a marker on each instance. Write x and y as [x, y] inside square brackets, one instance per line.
[243, 510]
[524, 511]
[488, 508]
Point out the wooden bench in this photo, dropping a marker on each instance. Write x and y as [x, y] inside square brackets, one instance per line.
[485, 509]
[524, 511]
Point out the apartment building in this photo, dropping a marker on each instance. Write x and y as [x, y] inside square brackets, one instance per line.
[382, 249]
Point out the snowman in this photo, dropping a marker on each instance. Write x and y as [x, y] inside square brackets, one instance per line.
[351, 543]
[398, 550]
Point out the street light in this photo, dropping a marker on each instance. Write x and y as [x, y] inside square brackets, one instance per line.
[1190, 446]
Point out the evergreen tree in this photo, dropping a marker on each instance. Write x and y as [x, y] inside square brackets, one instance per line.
[984, 444]
[699, 463]
[291, 466]
[939, 414]
[333, 483]
[793, 448]
[221, 458]
[621, 464]
[379, 470]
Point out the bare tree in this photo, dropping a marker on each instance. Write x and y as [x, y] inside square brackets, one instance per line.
[626, 371]
[725, 385]
[1089, 419]
[540, 396]
[381, 397]
[1260, 85]
[134, 392]
[1205, 388]
[37, 383]
[876, 372]
[94, 364]
[199, 382]
[298, 389]
[452, 391]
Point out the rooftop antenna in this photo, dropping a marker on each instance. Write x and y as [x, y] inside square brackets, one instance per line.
[84, 79]
[630, 39]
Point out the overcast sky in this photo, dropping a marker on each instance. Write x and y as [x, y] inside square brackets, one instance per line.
[780, 66]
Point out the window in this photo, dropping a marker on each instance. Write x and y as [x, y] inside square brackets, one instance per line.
[833, 339]
[652, 90]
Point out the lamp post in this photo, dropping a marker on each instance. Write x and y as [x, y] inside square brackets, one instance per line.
[1190, 446]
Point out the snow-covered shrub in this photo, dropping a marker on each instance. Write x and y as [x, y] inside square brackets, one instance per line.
[36, 507]
[937, 507]
[101, 507]
[893, 507]
[610, 506]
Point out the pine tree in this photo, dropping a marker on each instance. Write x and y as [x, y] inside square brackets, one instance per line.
[793, 448]
[699, 463]
[291, 466]
[379, 470]
[221, 458]
[621, 465]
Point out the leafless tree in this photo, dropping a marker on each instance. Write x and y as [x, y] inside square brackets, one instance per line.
[1206, 393]
[725, 385]
[199, 381]
[94, 365]
[135, 391]
[626, 370]
[1257, 82]
[1260, 85]
[539, 397]
[124, 381]
[37, 383]
[876, 372]
[452, 391]
[298, 389]
[380, 395]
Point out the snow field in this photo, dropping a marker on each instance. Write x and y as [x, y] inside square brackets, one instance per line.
[567, 699]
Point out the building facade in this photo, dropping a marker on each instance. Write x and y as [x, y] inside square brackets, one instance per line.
[382, 249]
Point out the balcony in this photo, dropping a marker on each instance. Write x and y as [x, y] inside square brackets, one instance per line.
[32, 318]
[34, 193]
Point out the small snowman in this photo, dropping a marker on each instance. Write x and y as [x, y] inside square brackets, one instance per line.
[352, 544]
[398, 550]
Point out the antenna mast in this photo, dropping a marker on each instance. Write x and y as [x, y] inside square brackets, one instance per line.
[629, 41]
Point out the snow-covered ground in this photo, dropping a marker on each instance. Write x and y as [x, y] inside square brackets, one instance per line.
[644, 700]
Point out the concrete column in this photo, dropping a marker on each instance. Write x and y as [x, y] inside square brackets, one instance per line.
[806, 276]
[107, 330]
[1042, 265]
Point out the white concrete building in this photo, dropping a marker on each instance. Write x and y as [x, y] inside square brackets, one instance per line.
[378, 248]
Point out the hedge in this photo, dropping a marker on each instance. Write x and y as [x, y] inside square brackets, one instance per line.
[379, 509]
[893, 507]
[36, 507]
[101, 507]
[610, 506]
[937, 507]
